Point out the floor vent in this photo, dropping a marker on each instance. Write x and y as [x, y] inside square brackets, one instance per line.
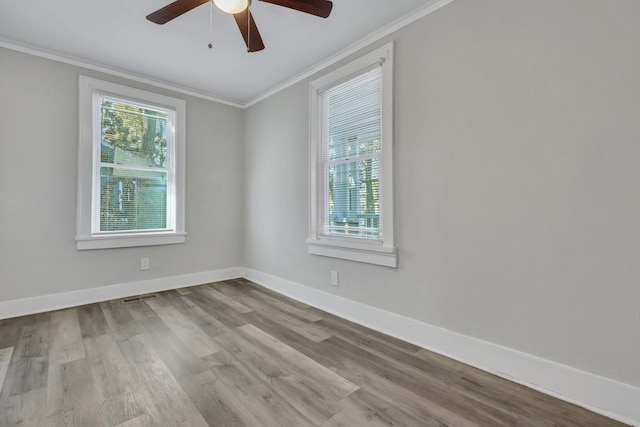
[138, 298]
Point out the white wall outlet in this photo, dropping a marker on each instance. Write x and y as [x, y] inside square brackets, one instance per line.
[144, 263]
[334, 278]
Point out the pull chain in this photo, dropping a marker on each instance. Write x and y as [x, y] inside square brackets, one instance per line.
[211, 25]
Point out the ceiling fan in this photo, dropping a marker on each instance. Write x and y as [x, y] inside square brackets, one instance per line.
[240, 11]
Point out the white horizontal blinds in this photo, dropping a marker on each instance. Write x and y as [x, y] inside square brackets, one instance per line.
[351, 157]
[133, 176]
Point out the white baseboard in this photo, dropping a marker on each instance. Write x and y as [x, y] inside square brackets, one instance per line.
[62, 300]
[608, 397]
[611, 398]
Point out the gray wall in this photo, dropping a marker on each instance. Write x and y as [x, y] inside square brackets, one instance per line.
[38, 172]
[517, 170]
[517, 153]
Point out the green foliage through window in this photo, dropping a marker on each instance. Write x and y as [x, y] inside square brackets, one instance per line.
[133, 168]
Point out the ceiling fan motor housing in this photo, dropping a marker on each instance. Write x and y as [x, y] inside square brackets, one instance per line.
[240, 11]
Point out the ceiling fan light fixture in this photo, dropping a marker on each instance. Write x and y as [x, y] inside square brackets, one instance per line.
[232, 6]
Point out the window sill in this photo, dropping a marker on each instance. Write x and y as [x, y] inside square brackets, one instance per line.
[370, 253]
[128, 241]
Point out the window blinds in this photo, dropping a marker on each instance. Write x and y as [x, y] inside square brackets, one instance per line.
[351, 149]
[133, 174]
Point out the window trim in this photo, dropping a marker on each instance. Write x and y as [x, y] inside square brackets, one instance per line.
[88, 155]
[382, 252]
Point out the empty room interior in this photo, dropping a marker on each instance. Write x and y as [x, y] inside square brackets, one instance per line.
[315, 213]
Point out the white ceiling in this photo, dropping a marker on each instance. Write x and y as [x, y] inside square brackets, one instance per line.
[115, 34]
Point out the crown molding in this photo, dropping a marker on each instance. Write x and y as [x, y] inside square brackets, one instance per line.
[424, 10]
[59, 57]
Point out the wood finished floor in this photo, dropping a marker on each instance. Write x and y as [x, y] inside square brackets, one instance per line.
[235, 354]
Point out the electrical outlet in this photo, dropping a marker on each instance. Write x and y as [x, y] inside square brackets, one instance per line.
[334, 278]
[144, 263]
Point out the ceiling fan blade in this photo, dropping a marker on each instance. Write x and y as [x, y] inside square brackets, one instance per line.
[173, 10]
[249, 30]
[321, 8]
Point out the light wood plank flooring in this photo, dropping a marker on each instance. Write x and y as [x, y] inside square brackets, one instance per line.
[235, 354]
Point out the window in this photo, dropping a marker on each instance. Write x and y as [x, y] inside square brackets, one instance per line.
[352, 161]
[131, 167]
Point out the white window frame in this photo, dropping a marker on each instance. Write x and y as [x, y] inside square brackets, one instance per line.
[87, 237]
[381, 252]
